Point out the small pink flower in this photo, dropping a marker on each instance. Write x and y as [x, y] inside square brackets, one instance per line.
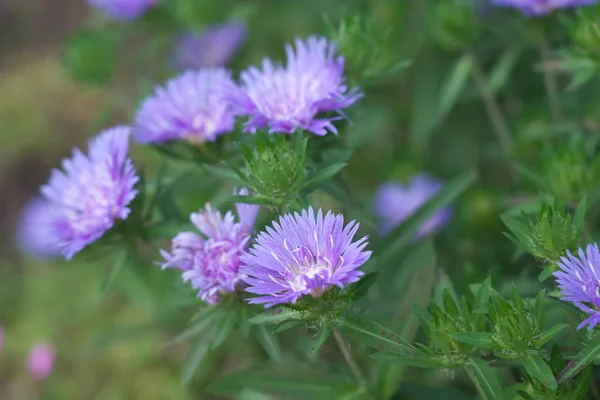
[40, 361]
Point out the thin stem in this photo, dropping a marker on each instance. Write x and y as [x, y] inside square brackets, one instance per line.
[491, 105]
[550, 83]
[475, 381]
[348, 357]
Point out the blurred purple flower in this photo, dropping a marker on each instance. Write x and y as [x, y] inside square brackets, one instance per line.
[91, 193]
[579, 282]
[212, 47]
[211, 261]
[394, 202]
[40, 361]
[34, 229]
[303, 255]
[285, 99]
[193, 106]
[124, 10]
[541, 7]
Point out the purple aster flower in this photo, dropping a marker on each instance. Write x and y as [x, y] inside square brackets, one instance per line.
[193, 106]
[541, 7]
[212, 47]
[211, 261]
[40, 361]
[394, 202]
[290, 97]
[124, 10]
[303, 254]
[34, 229]
[579, 282]
[91, 192]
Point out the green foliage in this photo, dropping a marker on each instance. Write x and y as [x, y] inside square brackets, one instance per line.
[91, 55]
[553, 231]
[454, 23]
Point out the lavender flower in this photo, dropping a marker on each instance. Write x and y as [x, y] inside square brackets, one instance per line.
[303, 254]
[34, 229]
[541, 7]
[212, 47]
[579, 282]
[124, 10]
[289, 98]
[40, 361]
[91, 193]
[394, 202]
[192, 106]
[211, 261]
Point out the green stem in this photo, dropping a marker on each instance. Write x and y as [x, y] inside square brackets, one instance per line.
[348, 357]
[473, 379]
[550, 83]
[491, 105]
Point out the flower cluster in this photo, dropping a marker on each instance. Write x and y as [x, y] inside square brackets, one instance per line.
[200, 105]
[394, 202]
[541, 7]
[125, 10]
[87, 197]
[211, 261]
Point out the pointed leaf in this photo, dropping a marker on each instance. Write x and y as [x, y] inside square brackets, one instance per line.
[406, 361]
[455, 83]
[539, 369]
[274, 316]
[322, 335]
[193, 359]
[269, 342]
[482, 340]
[549, 334]
[373, 334]
[488, 382]
[589, 354]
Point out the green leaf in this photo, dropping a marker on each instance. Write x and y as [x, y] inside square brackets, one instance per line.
[539, 369]
[224, 325]
[360, 288]
[322, 175]
[290, 385]
[224, 172]
[322, 335]
[274, 316]
[406, 361]
[549, 334]
[488, 382]
[455, 83]
[248, 394]
[545, 274]
[501, 72]
[373, 334]
[404, 234]
[269, 342]
[193, 359]
[205, 321]
[122, 259]
[579, 216]
[482, 340]
[589, 354]
[289, 324]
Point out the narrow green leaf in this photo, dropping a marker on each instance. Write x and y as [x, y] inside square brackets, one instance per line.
[482, 340]
[223, 172]
[360, 288]
[549, 334]
[224, 326]
[248, 394]
[455, 83]
[539, 369]
[205, 322]
[589, 354]
[502, 70]
[193, 359]
[274, 317]
[289, 324]
[323, 174]
[545, 274]
[373, 334]
[269, 342]
[111, 274]
[322, 335]
[488, 382]
[406, 361]
[579, 216]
